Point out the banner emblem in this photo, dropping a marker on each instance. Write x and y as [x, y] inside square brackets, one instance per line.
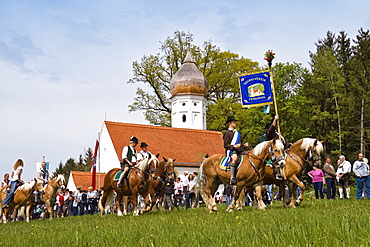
[255, 89]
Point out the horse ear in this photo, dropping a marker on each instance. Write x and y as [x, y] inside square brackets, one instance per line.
[315, 143]
[322, 141]
[164, 158]
[174, 160]
[157, 155]
[35, 180]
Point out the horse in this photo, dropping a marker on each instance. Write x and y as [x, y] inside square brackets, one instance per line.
[304, 151]
[50, 193]
[250, 173]
[20, 199]
[157, 186]
[136, 183]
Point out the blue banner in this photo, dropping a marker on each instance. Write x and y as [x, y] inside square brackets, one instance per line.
[255, 89]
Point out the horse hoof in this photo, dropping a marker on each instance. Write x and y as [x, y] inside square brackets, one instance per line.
[119, 213]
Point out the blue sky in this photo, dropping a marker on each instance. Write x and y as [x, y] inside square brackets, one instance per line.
[64, 64]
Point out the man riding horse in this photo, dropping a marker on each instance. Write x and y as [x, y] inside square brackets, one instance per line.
[271, 132]
[233, 146]
[129, 158]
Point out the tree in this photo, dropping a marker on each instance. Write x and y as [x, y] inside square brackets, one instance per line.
[221, 68]
[84, 164]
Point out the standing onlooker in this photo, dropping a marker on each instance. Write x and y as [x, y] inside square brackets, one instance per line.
[92, 197]
[317, 179]
[68, 200]
[191, 190]
[227, 192]
[195, 203]
[168, 195]
[330, 175]
[76, 201]
[83, 203]
[178, 192]
[185, 184]
[60, 204]
[344, 168]
[361, 170]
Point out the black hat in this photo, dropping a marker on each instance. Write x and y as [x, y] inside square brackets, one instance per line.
[230, 118]
[143, 144]
[134, 139]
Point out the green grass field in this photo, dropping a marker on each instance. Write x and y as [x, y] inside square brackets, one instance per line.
[314, 223]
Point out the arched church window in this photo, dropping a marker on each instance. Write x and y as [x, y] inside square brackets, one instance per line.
[183, 118]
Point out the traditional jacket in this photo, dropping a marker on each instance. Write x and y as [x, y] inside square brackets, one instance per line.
[230, 139]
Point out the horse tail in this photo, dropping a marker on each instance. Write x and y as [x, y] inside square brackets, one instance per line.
[202, 182]
[106, 201]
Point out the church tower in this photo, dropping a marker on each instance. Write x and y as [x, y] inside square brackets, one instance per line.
[189, 89]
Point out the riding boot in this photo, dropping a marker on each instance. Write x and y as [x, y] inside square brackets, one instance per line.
[122, 177]
[232, 174]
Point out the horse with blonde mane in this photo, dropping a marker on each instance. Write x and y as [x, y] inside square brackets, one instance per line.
[304, 151]
[166, 170]
[250, 173]
[50, 193]
[21, 198]
[136, 183]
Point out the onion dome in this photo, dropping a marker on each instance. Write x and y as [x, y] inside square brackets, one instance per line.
[188, 79]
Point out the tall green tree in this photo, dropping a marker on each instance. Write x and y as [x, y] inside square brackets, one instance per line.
[221, 69]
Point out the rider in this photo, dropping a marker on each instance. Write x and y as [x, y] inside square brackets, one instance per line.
[143, 152]
[233, 146]
[14, 181]
[43, 175]
[271, 133]
[129, 158]
[5, 182]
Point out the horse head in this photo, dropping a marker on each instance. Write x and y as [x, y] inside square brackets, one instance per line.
[39, 185]
[169, 169]
[276, 152]
[313, 149]
[61, 181]
[153, 163]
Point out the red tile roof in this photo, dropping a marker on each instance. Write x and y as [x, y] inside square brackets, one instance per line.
[83, 179]
[187, 146]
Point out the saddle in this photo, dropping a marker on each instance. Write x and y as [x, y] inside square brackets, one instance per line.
[118, 174]
[225, 163]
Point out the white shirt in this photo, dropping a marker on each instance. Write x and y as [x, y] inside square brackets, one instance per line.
[142, 154]
[344, 167]
[184, 180]
[15, 173]
[125, 151]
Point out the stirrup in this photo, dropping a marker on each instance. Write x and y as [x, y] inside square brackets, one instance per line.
[279, 177]
[233, 181]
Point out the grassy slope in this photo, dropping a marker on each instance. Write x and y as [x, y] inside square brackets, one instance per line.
[314, 223]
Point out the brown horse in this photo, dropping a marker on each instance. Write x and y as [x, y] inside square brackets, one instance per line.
[157, 186]
[304, 151]
[50, 193]
[136, 183]
[250, 173]
[20, 199]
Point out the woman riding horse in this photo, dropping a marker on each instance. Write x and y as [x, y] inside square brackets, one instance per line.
[21, 198]
[250, 173]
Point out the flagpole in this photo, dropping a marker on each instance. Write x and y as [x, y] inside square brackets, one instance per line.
[269, 56]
